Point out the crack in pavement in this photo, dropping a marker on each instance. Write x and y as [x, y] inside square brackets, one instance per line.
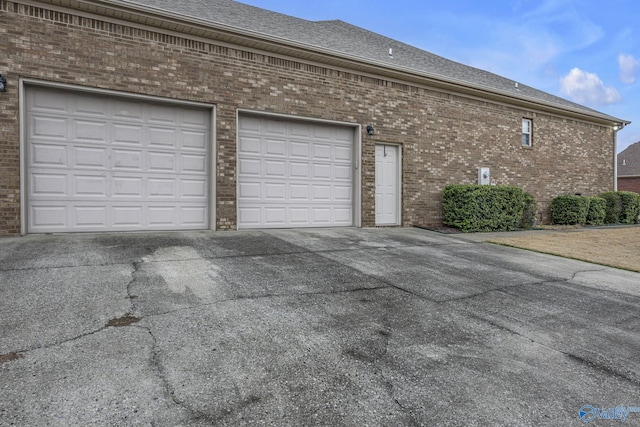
[551, 281]
[388, 284]
[133, 307]
[156, 352]
[59, 267]
[302, 251]
[127, 318]
[260, 297]
[62, 342]
[560, 283]
[194, 415]
[602, 367]
[136, 268]
[389, 383]
[423, 297]
[573, 277]
[488, 291]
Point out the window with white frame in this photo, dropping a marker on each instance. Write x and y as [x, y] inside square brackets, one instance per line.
[527, 132]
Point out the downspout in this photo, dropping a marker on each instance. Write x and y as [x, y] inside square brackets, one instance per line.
[616, 128]
[615, 157]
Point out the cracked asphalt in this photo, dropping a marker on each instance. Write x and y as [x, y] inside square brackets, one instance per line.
[344, 327]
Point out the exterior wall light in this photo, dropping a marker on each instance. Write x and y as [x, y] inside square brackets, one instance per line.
[3, 83]
[370, 130]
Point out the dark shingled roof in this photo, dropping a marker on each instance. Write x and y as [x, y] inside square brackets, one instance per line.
[346, 39]
[629, 161]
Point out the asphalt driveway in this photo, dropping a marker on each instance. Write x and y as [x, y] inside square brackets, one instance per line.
[346, 327]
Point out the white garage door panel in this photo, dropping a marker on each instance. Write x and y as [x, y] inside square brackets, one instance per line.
[294, 174]
[49, 184]
[58, 218]
[89, 186]
[90, 158]
[127, 134]
[100, 163]
[50, 128]
[48, 154]
[88, 216]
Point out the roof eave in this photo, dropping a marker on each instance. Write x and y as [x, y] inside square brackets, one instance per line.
[146, 15]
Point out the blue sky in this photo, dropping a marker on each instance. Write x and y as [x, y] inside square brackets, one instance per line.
[587, 51]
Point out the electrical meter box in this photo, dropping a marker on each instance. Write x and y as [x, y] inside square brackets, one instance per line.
[484, 176]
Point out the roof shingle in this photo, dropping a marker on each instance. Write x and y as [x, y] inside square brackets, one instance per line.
[629, 161]
[356, 42]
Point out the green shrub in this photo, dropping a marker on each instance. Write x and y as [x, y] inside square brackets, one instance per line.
[630, 207]
[569, 210]
[472, 207]
[528, 217]
[597, 211]
[614, 207]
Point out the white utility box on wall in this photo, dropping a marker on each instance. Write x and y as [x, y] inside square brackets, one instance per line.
[484, 176]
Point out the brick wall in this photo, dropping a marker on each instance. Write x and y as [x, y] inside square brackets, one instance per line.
[629, 184]
[444, 136]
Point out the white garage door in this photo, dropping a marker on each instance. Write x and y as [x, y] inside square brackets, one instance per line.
[102, 163]
[294, 174]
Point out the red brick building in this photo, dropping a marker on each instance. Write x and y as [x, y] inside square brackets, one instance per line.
[166, 115]
[629, 169]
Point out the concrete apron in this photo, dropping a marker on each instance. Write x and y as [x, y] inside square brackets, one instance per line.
[311, 327]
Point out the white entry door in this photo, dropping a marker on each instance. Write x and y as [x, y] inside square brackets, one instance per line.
[387, 185]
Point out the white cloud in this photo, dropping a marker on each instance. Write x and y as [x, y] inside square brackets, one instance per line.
[520, 42]
[629, 67]
[587, 88]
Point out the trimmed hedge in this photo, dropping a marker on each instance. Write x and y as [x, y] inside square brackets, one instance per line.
[623, 207]
[597, 211]
[569, 210]
[630, 208]
[472, 207]
[614, 207]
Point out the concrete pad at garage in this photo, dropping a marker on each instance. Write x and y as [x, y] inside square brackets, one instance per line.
[393, 326]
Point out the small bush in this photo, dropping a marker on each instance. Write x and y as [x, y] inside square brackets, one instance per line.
[597, 211]
[529, 211]
[472, 207]
[630, 207]
[569, 210]
[614, 207]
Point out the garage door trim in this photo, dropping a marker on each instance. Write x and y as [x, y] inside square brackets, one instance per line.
[356, 153]
[32, 84]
